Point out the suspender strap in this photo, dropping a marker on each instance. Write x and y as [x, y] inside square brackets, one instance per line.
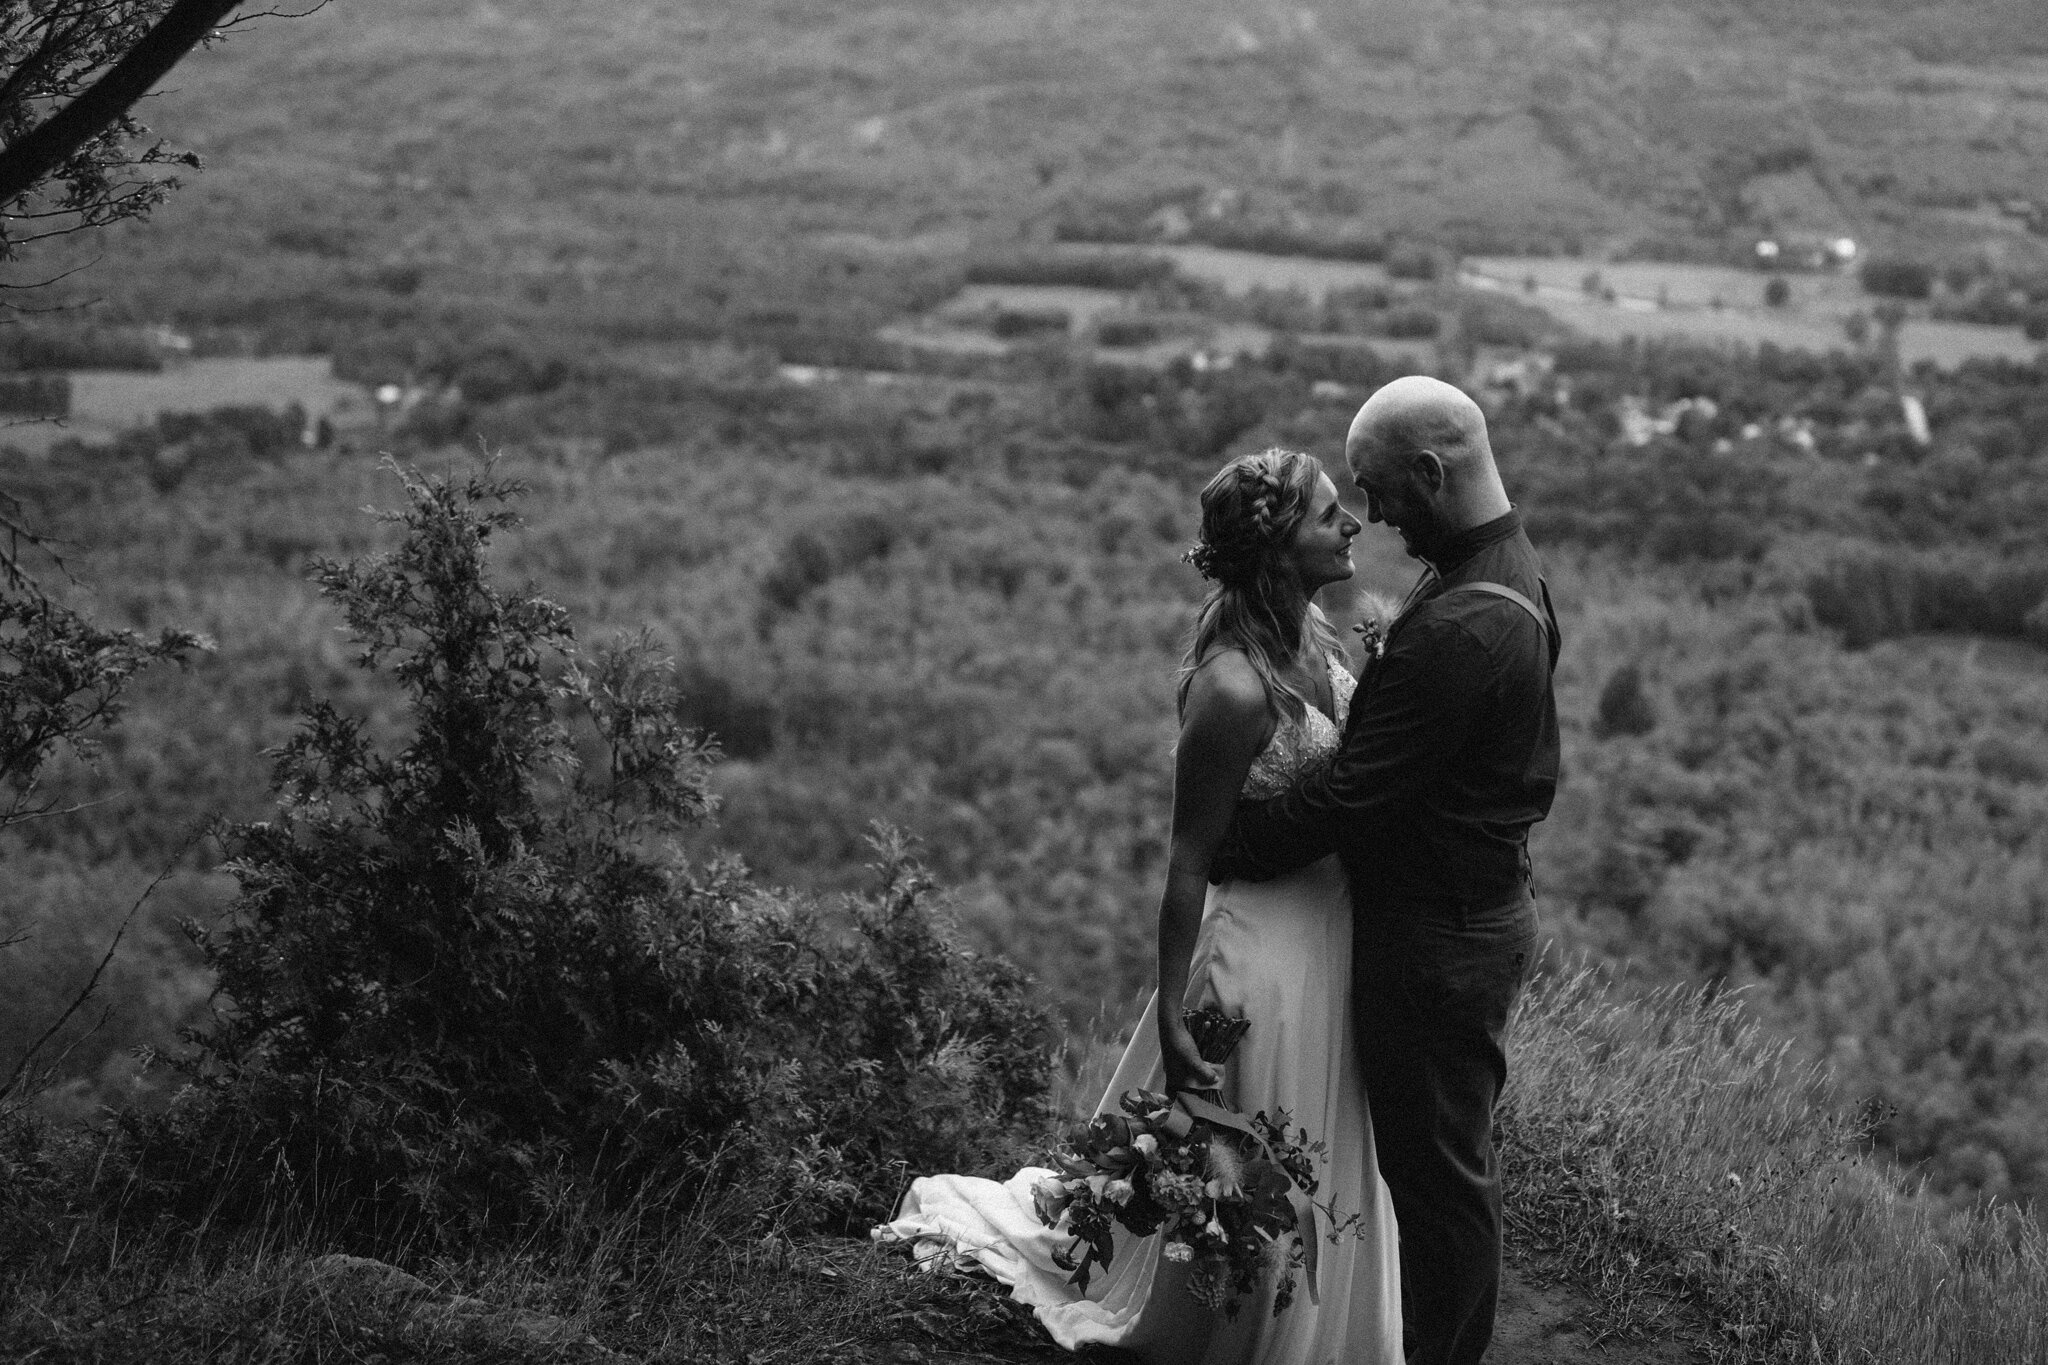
[1544, 622]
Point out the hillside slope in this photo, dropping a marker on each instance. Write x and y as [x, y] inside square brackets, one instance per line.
[637, 161]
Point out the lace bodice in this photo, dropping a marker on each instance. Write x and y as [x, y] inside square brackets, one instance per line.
[1297, 746]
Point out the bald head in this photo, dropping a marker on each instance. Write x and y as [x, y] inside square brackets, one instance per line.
[1418, 450]
[1419, 413]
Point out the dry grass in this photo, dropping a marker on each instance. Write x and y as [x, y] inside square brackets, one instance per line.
[1663, 1157]
[720, 1279]
[1681, 1164]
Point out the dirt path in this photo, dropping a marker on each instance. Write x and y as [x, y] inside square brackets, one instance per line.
[1541, 1322]
[1544, 1323]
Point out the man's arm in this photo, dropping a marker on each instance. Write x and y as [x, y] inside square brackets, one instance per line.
[1400, 736]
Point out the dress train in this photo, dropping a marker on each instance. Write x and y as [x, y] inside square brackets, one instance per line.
[1278, 953]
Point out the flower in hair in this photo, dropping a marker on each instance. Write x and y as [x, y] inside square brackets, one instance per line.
[1221, 563]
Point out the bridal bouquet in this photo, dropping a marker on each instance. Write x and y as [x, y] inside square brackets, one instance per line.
[1230, 1194]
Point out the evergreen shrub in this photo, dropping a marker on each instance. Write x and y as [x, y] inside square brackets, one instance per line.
[467, 970]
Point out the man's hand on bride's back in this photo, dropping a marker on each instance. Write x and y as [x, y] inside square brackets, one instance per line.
[1231, 863]
[1222, 870]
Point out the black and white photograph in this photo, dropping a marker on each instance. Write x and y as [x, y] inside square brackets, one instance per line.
[1002, 682]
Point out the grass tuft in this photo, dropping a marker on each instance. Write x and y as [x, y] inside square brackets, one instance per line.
[1683, 1167]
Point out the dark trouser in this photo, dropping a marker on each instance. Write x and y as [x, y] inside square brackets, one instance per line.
[1432, 1001]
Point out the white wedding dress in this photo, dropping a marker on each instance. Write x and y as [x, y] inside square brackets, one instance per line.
[1279, 954]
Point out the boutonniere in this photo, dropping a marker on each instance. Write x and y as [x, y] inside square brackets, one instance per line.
[1377, 614]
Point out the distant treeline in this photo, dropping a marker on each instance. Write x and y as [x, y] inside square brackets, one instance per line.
[1121, 225]
[35, 395]
[1092, 271]
[34, 346]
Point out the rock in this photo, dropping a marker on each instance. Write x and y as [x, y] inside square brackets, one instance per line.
[514, 1326]
[363, 1274]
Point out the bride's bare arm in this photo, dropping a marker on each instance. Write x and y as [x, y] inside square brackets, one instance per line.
[1226, 723]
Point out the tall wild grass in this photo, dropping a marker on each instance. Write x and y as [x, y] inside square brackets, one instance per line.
[1669, 1151]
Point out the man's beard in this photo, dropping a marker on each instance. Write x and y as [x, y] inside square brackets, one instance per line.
[1425, 537]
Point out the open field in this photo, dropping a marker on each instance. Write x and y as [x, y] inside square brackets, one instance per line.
[1797, 327]
[1669, 285]
[628, 167]
[1724, 305]
[106, 403]
[1241, 271]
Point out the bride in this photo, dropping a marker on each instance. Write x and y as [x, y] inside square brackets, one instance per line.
[1264, 691]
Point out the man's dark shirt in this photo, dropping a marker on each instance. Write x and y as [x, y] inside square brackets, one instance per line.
[1450, 753]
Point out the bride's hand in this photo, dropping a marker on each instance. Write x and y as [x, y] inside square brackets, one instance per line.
[1185, 1069]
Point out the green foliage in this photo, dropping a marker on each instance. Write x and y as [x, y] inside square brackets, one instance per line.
[962, 609]
[1898, 279]
[1094, 270]
[62, 676]
[52, 56]
[182, 445]
[37, 395]
[1856, 836]
[1850, 833]
[465, 968]
[1662, 1148]
[1662, 501]
[1871, 597]
[1277, 239]
[1195, 414]
[1127, 332]
[810, 559]
[491, 374]
[57, 927]
[1409, 324]
[1013, 323]
[312, 239]
[47, 346]
[691, 1281]
[1413, 261]
[741, 724]
[1623, 709]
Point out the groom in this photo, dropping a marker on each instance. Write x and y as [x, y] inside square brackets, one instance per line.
[1449, 756]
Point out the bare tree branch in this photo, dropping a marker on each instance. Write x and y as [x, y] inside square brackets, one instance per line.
[25, 75]
[251, 16]
[21, 813]
[92, 982]
[20, 540]
[30, 160]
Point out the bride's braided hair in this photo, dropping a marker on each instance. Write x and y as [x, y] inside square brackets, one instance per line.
[1250, 512]
[1247, 512]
